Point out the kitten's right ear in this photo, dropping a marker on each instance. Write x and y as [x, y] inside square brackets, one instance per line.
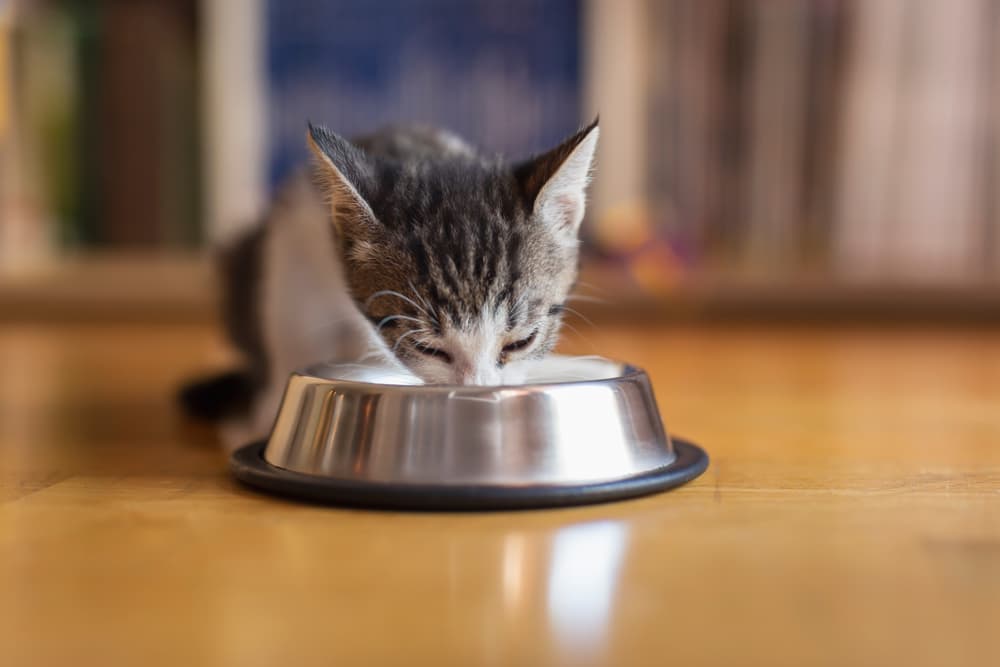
[344, 171]
[555, 182]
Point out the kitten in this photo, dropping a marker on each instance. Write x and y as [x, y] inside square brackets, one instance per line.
[409, 245]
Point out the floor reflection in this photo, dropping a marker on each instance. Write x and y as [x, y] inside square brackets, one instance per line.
[583, 576]
[512, 570]
[571, 576]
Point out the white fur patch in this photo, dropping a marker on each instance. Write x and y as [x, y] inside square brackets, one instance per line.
[306, 313]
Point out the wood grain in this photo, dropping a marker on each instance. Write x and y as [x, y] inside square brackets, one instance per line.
[851, 516]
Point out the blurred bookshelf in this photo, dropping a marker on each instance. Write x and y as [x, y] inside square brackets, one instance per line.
[128, 286]
[101, 146]
[137, 286]
[812, 159]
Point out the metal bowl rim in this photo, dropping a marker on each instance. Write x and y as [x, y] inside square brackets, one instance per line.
[628, 372]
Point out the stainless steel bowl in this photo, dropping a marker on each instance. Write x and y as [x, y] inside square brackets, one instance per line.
[577, 431]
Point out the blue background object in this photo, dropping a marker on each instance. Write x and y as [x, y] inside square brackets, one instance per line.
[504, 74]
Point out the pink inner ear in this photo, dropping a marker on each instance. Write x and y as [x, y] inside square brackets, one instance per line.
[567, 208]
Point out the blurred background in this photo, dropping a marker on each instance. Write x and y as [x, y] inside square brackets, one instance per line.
[758, 158]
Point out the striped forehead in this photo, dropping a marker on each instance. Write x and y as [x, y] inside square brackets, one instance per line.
[467, 269]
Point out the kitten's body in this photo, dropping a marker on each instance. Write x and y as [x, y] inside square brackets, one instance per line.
[438, 259]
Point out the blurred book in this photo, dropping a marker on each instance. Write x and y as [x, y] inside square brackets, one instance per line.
[103, 125]
[142, 69]
[32, 188]
[939, 190]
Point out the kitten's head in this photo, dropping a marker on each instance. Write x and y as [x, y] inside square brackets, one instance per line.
[461, 264]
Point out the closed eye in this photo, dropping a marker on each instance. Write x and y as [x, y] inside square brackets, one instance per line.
[520, 344]
[433, 352]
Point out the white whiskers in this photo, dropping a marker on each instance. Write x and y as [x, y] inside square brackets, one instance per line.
[392, 318]
[427, 310]
[388, 292]
[399, 340]
[582, 337]
[576, 312]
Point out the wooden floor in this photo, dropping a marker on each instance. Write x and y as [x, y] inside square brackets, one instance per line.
[850, 516]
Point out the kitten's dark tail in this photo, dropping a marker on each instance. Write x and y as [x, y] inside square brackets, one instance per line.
[218, 397]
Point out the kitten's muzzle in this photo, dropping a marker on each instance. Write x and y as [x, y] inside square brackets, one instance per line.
[472, 376]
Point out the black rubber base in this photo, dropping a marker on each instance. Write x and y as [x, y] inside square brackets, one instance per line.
[249, 466]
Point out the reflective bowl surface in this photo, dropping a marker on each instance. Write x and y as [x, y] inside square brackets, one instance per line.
[563, 431]
[602, 425]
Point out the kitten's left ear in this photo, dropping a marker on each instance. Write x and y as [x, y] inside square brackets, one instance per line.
[345, 173]
[555, 182]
